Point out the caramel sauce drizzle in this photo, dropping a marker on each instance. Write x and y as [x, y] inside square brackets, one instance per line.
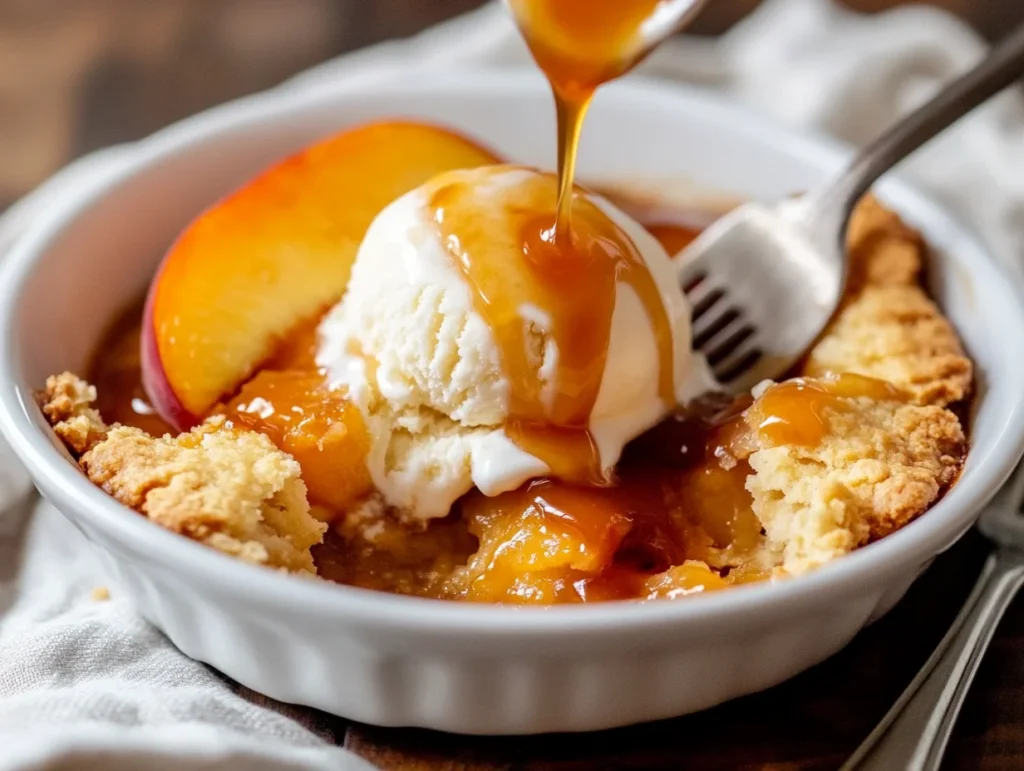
[527, 256]
[510, 259]
[795, 411]
[580, 45]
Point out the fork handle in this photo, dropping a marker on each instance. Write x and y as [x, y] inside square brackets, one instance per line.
[1003, 65]
[914, 733]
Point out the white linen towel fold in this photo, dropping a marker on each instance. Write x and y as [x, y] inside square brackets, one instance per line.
[86, 684]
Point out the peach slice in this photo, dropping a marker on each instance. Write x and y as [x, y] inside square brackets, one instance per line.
[277, 251]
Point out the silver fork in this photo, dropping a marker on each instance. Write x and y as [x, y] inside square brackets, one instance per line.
[913, 734]
[764, 281]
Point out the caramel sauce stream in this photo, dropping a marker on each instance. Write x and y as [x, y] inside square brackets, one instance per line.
[566, 269]
[580, 45]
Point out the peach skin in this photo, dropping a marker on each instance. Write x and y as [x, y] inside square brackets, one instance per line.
[274, 253]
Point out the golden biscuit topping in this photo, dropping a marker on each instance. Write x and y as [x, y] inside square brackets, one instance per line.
[877, 466]
[229, 489]
[887, 327]
[67, 403]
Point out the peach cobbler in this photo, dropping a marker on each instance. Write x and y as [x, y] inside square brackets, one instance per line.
[398, 362]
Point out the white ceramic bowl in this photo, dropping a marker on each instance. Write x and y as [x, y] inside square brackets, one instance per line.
[392, 660]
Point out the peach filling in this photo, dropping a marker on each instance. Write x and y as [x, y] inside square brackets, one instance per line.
[318, 427]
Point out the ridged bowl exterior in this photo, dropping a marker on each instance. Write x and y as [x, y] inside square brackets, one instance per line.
[390, 660]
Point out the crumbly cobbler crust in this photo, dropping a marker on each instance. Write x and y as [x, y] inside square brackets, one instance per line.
[887, 327]
[883, 463]
[880, 464]
[229, 489]
[67, 403]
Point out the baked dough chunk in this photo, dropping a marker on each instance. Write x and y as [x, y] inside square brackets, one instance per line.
[887, 327]
[67, 404]
[879, 465]
[229, 489]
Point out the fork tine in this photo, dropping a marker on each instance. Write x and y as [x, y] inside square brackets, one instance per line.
[743, 365]
[707, 330]
[700, 288]
[730, 345]
[690, 282]
[742, 358]
[779, 268]
[706, 303]
[692, 272]
[724, 312]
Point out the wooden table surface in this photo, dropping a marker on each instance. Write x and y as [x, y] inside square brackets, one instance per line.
[110, 70]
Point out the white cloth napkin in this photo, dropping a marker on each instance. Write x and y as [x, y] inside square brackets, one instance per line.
[86, 684]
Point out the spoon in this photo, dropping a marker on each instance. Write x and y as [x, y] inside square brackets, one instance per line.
[913, 734]
[664, 19]
[763, 281]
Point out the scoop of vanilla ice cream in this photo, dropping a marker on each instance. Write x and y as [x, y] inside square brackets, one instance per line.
[424, 368]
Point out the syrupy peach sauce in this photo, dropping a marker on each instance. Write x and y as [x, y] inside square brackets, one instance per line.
[116, 371]
[317, 426]
[510, 260]
[672, 236]
[679, 503]
[678, 509]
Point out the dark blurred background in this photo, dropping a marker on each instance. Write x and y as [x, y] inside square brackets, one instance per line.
[80, 74]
